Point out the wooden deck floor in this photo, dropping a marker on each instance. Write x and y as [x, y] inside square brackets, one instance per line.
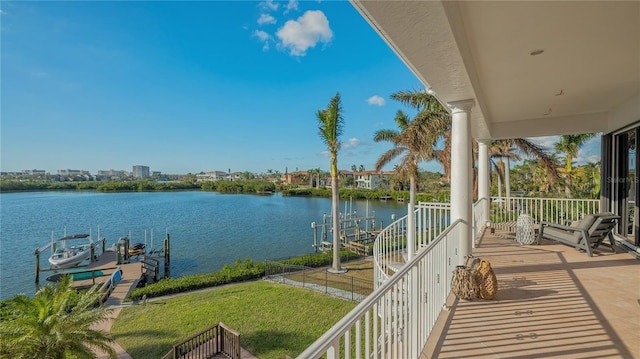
[552, 302]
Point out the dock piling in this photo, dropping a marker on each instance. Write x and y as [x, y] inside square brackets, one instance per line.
[37, 266]
[167, 257]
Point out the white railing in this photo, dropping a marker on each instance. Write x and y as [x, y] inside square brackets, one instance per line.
[554, 210]
[396, 319]
[480, 217]
[390, 246]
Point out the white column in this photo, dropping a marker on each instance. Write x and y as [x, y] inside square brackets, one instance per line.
[461, 174]
[483, 178]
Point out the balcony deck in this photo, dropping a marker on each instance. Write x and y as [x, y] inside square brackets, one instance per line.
[552, 302]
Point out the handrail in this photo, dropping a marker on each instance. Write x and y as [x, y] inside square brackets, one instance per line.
[554, 210]
[390, 246]
[397, 318]
[399, 315]
[108, 286]
[480, 214]
[217, 339]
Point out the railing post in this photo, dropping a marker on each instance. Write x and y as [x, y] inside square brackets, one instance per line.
[333, 351]
[413, 318]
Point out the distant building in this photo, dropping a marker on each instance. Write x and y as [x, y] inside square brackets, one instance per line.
[235, 176]
[34, 172]
[212, 176]
[373, 179]
[112, 174]
[68, 172]
[295, 178]
[141, 171]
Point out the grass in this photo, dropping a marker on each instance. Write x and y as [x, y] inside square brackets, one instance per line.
[273, 320]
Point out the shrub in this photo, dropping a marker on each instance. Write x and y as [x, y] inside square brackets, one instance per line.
[238, 272]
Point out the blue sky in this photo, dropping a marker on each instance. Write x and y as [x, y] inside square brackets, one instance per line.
[192, 86]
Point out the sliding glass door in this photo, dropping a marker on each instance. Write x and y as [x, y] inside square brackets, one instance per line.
[625, 184]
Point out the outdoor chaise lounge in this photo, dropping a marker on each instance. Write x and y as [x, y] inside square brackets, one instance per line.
[586, 235]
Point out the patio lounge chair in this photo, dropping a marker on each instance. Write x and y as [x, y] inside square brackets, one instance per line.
[587, 235]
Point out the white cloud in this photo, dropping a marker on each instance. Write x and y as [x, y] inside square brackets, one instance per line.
[376, 100]
[305, 32]
[546, 142]
[264, 38]
[269, 5]
[351, 143]
[292, 5]
[266, 19]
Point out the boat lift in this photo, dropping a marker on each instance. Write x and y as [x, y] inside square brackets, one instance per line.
[350, 229]
[94, 254]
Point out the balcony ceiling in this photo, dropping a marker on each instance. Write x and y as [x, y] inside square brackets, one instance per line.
[587, 79]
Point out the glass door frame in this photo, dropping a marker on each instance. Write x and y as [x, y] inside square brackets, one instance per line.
[616, 181]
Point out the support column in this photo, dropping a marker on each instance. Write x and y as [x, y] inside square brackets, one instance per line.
[483, 179]
[461, 174]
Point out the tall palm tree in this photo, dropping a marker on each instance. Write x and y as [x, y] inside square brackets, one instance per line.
[55, 323]
[330, 127]
[511, 148]
[413, 142]
[353, 170]
[570, 145]
[433, 118]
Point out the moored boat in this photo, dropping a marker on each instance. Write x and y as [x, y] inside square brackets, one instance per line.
[76, 275]
[68, 256]
[136, 249]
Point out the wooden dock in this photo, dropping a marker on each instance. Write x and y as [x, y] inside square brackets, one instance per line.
[107, 262]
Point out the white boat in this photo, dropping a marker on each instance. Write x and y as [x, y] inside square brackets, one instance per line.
[67, 256]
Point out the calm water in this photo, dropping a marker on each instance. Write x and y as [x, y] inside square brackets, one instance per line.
[207, 229]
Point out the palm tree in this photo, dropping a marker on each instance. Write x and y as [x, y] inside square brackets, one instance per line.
[570, 145]
[412, 141]
[55, 323]
[353, 170]
[330, 127]
[433, 118]
[312, 173]
[511, 148]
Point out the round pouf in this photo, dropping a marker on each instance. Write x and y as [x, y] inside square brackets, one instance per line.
[525, 233]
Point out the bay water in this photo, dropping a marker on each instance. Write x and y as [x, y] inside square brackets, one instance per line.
[207, 229]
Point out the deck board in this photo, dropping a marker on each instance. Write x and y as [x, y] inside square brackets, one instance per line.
[552, 302]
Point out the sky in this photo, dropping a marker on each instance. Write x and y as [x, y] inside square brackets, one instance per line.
[185, 87]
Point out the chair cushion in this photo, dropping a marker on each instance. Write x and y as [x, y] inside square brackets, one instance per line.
[585, 224]
[561, 235]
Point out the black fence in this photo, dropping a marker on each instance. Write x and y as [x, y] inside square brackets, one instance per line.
[319, 279]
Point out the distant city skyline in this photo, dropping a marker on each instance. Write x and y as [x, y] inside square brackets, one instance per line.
[184, 87]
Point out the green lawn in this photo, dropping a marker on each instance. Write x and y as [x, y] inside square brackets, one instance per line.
[273, 319]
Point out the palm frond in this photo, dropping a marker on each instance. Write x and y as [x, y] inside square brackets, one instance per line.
[388, 156]
[331, 123]
[420, 100]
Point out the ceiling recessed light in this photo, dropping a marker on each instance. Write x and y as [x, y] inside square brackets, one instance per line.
[536, 52]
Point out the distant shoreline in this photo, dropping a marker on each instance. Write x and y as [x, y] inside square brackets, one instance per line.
[258, 187]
